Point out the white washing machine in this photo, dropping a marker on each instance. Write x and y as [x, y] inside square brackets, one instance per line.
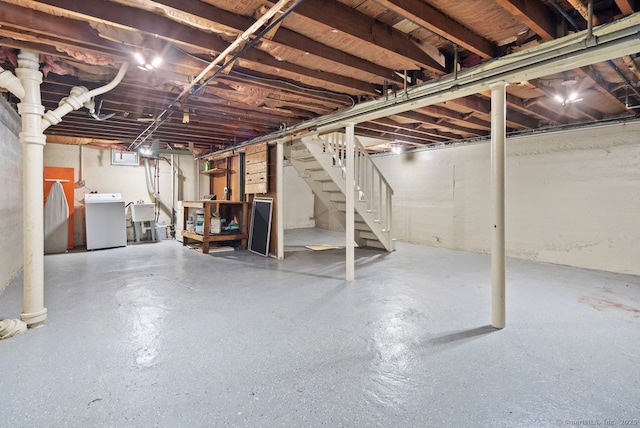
[105, 220]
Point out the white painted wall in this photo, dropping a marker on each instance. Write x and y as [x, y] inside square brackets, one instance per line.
[298, 201]
[572, 197]
[99, 175]
[10, 195]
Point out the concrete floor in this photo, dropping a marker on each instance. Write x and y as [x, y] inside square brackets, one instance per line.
[159, 335]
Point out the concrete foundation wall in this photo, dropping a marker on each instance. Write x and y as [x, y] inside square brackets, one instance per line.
[10, 195]
[572, 197]
[102, 177]
[298, 201]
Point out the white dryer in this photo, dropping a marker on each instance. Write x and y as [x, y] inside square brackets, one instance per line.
[105, 220]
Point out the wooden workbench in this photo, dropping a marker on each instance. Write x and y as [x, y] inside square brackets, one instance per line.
[228, 210]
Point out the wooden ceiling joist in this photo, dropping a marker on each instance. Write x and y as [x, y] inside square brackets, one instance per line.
[535, 15]
[284, 38]
[437, 22]
[325, 57]
[349, 21]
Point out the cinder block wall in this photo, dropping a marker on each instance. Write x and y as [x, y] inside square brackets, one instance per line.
[572, 197]
[10, 195]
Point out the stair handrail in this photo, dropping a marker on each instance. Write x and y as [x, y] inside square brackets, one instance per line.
[360, 148]
[335, 144]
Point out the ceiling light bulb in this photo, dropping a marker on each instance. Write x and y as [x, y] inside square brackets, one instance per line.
[558, 98]
[138, 56]
[156, 61]
[573, 96]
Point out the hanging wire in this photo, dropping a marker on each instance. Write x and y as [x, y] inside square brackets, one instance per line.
[171, 109]
[246, 47]
[266, 79]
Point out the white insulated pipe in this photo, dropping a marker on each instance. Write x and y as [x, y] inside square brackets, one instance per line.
[154, 192]
[78, 97]
[197, 171]
[350, 203]
[174, 174]
[33, 141]
[280, 200]
[11, 83]
[498, 160]
[80, 164]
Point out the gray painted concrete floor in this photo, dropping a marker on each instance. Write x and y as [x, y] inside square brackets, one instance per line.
[158, 335]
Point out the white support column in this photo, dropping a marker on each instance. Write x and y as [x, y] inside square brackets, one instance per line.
[498, 157]
[280, 199]
[350, 202]
[33, 141]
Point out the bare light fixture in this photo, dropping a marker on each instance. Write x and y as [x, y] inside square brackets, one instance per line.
[395, 147]
[147, 59]
[571, 94]
[145, 151]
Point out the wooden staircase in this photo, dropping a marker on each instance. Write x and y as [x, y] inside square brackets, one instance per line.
[320, 161]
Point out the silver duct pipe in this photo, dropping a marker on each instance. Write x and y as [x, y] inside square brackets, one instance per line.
[154, 192]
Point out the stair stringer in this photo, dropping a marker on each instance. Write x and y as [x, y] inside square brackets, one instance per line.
[373, 234]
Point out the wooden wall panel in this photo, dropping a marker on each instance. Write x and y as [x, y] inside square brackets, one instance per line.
[224, 172]
[255, 175]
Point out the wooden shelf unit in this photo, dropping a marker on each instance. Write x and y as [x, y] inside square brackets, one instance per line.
[214, 171]
[236, 208]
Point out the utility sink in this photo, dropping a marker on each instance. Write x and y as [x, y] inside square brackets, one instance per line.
[142, 212]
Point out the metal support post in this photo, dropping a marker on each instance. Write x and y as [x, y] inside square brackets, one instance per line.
[498, 157]
[280, 200]
[350, 196]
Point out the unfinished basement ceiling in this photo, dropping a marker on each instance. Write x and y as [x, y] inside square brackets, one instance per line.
[323, 57]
